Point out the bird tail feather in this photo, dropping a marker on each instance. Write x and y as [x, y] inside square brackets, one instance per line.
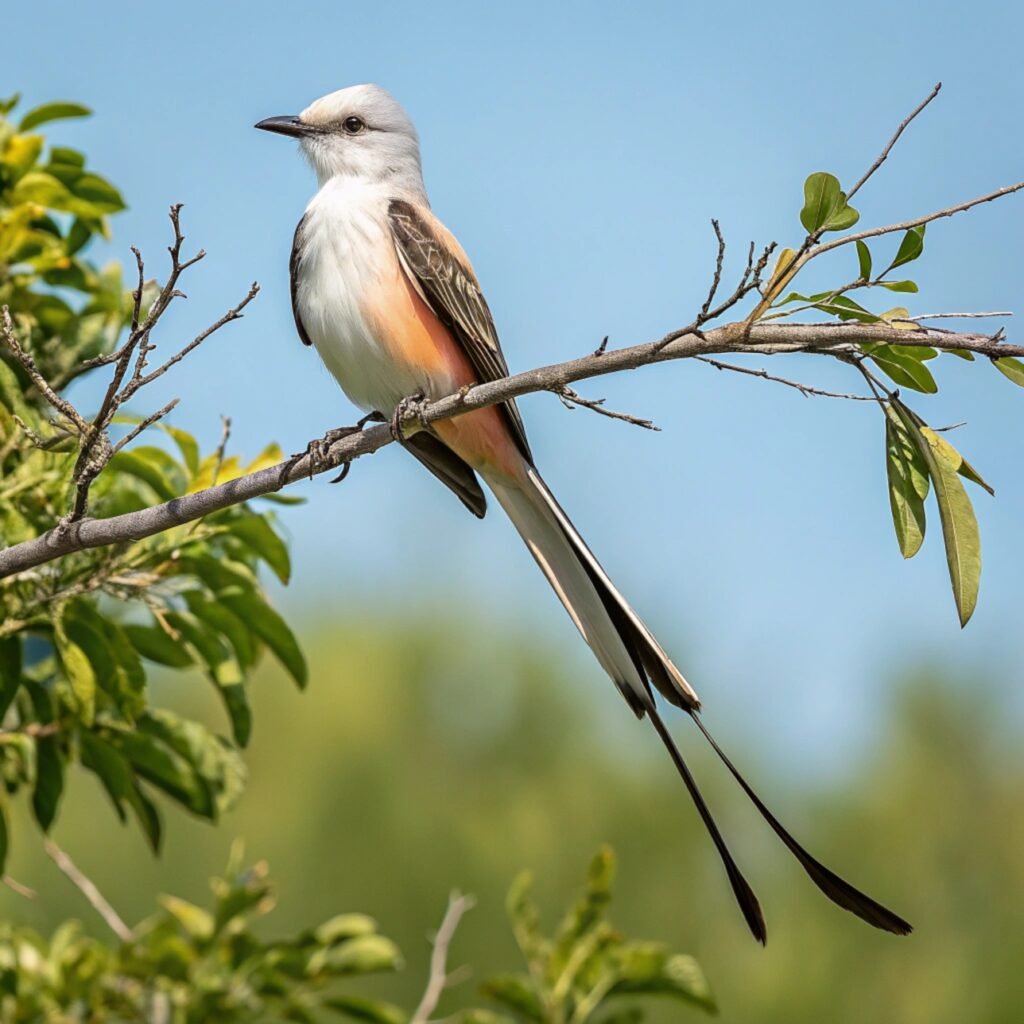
[628, 652]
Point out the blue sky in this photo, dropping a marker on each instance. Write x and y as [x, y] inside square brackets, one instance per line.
[579, 152]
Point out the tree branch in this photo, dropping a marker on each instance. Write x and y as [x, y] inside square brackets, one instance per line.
[88, 889]
[439, 976]
[766, 339]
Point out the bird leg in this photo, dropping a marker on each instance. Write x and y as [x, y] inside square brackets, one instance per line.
[319, 449]
[409, 407]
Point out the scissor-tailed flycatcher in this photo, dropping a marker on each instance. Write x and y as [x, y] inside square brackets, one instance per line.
[386, 295]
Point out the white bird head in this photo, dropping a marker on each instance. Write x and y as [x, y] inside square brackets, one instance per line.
[361, 131]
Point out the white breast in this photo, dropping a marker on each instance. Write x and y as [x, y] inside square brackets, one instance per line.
[347, 249]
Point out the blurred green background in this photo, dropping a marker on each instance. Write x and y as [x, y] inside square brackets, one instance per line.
[432, 753]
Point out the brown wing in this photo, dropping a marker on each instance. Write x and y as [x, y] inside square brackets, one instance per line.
[450, 289]
[293, 273]
[452, 471]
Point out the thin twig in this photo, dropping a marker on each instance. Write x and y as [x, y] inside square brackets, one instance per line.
[235, 313]
[892, 142]
[571, 399]
[28, 364]
[88, 889]
[917, 222]
[956, 316]
[805, 389]
[15, 886]
[144, 425]
[716, 280]
[439, 977]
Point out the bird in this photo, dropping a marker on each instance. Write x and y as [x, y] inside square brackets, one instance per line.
[385, 294]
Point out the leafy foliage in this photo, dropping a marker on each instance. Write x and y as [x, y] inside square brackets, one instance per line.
[79, 638]
[919, 460]
[586, 964]
[190, 964]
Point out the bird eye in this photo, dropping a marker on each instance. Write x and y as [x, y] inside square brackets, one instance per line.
[353, 125]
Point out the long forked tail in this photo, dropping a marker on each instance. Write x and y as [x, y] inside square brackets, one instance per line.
[632, 657]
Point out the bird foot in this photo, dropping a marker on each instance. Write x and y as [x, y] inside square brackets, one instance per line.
[409, 408]
[318, 451]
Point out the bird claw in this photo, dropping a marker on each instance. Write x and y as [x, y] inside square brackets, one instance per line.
[410, 407]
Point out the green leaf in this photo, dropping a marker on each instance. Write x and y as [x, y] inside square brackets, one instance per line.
[51, 112]
[515, 991]
[1011, 368]
[216, 765]
[903, 368]
[899, 286]
[98, 192]
[825, 205]
[589, 908]
[371, 1010]
[904, 465]
[968, 472]
[344, 926]
[646, 969]
[364, 954]
[148, 817]
[256, 533]
[225, 622]
[154, 467]
[10, 671]
[864, 261]
[153, 643]
[64, 155]
[197, 923]
[79, 672]
[961, 353]
[523, 914]
[110, 767]
[223, 671]
[166, 770]
[116, 664]
[959, 526]
[846, 309]
[49, 781]
[910, 248]
[272, 629]
[187, 445]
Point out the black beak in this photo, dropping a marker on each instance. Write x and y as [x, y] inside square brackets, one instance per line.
[285, 125]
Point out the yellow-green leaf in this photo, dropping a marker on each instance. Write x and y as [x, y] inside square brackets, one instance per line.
[1012, 368]
[959, 525]
[905, 501]
[52, 112]
[902, 368]
[864, 261]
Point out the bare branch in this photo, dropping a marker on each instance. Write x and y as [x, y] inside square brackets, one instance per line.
[439, 977]
[717, 278]
[235, 313]
[906, 225]
[28, 364]
[805, 389]
[88, 889]
[837, 339]
[904, 124]
[955, 316]
[571, 399]
[96, 449]
[144, 425]
[15, 886]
